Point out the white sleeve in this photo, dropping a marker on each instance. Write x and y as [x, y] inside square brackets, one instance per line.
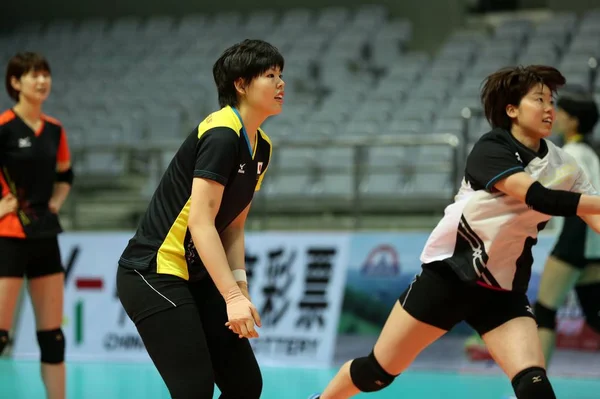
[580, 157]
[582, 183]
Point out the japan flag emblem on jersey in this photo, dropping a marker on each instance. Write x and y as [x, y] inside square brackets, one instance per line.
[259, 168]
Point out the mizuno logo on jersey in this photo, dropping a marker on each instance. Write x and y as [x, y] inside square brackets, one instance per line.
[241, 170]
[528, 308]
[24, 142]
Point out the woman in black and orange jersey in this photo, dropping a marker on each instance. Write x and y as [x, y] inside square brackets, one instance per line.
[182, 276]
[35, 179]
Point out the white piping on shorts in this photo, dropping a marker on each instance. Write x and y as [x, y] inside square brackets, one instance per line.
[154, 289]
[408, 293]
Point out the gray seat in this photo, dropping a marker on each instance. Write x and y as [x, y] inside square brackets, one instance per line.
[101, 163]
[399, 126]
[335, 159]
[334, 184]
[296, 159]
[448, 125]
[422, 110]
[456, 105]
[383, 184]
[385, 159]
[433, 184]
[363, 128]
[436, 155]
[289, 186]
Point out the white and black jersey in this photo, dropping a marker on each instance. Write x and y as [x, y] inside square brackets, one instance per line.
[487, 236]
[589, 162]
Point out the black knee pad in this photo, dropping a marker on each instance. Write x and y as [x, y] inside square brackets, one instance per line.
[368, 375]
[52, 346]
[589, 300]
[546, 317]
[3, 340]
[533, 383]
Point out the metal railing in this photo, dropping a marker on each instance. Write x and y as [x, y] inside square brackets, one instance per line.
[356, 205]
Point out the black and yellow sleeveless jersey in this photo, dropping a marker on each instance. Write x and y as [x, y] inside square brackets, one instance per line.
[218, 150]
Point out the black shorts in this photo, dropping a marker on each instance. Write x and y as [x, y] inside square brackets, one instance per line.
[570, 246]
[182, 325]
[30, 257]
[143, 294]
[439, 298]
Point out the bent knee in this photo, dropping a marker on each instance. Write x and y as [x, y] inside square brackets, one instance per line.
[246, 384]
[545, 317]
[368, 376]
[533, 383]
[250, 389]
[589, 300]
[52, 346]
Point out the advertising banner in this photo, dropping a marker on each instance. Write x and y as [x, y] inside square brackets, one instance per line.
[296, 281]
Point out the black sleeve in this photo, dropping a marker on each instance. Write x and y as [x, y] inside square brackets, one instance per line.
[216, 154]
[491, 160]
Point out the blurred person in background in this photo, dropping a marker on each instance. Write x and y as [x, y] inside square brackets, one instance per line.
[575, 260]
[35, 178]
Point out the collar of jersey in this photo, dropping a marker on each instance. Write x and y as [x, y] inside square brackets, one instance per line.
[237, 113]
[540, 153]
[576, 138]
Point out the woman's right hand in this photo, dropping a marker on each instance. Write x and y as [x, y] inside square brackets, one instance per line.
[8, 204]
[242, 314]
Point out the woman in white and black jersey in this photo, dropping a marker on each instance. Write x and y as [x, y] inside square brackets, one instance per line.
[575, 260]
[477, 261]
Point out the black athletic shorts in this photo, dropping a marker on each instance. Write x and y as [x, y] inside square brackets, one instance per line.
[29, 257]
[570, 246]
[146, 293]
[440, 298]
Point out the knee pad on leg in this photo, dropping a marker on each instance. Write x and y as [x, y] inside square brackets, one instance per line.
[3, 340]
[589, 300]
[546, 317]
[368, 375]
[533, 383]
[52, 346]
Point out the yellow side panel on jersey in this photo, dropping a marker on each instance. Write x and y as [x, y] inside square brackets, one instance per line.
[268, 140]
[171, 254]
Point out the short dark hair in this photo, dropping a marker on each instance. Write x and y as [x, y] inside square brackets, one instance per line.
[508, 86]
[581, 105]
[21, 64]
[245, 60]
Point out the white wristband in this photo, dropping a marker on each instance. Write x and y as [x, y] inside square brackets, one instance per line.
[239, 275]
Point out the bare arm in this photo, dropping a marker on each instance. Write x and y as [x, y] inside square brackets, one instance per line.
[61, 189]
[593, 221]
[233, 241]
[205, 203]
[518, 184]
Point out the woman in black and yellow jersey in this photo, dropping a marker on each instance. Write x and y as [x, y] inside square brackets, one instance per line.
[35, 180]
[181, 278]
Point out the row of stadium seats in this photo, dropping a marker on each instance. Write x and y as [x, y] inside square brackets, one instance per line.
[348, 73]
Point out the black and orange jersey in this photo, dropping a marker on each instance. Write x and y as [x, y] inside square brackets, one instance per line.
[219, 150]
[29, 162]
